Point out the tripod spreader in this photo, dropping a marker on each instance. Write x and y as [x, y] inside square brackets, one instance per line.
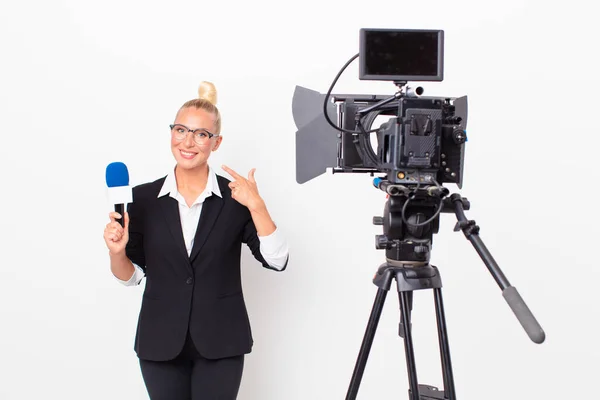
[510, 294]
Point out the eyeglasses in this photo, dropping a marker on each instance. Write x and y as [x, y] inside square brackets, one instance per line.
[201, 136]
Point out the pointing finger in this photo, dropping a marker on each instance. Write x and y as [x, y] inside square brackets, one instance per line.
[231, 172]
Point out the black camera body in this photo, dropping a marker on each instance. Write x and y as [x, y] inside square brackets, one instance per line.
[419, 146]
[421, 143]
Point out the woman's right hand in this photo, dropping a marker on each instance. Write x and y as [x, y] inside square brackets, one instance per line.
[116, 236]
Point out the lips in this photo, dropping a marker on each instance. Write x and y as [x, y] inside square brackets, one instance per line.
[187, 154]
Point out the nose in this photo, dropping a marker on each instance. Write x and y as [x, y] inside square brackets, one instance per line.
[189, 140]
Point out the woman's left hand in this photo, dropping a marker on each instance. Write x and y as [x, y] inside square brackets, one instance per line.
[243, 190]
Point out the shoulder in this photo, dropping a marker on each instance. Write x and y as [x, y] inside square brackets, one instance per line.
[222, 180]
[148, 190]
[224, 185]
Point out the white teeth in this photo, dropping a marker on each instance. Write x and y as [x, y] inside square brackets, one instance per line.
[188, 154]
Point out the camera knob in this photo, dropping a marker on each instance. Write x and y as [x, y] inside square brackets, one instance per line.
[381, 242]
[459, 136]
[377, 220]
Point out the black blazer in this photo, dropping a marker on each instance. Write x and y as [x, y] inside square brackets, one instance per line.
[201, 292]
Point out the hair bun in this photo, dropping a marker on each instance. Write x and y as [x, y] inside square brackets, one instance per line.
[207, 91]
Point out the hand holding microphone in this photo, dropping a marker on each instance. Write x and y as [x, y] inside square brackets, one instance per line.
[116, 233]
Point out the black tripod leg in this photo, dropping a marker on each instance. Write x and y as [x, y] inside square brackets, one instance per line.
[405, 305]
[361, 362]
[410, 302]
[444, 346]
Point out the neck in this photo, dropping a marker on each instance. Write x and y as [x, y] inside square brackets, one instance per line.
[191, 179]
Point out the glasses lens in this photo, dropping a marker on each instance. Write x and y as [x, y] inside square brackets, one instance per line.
[179, 131]
[201, 136]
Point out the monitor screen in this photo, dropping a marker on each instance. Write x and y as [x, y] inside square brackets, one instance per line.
[401, 55]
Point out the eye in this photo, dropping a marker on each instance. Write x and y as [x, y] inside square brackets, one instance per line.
[180, 130]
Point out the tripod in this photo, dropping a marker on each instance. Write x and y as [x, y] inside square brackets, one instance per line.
[409, 225]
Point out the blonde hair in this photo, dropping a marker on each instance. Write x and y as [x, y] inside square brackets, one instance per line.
[207, 101]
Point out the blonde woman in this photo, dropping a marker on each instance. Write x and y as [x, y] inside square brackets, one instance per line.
[184, 233]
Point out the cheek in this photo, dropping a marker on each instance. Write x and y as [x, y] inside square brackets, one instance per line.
[206, 150]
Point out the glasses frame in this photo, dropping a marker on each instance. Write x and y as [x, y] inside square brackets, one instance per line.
[203, 130]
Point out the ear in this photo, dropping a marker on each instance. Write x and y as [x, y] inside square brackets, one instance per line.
[217, 143]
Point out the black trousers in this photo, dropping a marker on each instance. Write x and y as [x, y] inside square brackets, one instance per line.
[193, 377]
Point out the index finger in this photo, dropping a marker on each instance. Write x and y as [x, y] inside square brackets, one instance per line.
[231, 172]
[114, 216]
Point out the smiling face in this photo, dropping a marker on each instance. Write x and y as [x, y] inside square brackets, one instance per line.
[189, 154]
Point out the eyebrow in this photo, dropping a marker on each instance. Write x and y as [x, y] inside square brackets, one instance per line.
[185, 126]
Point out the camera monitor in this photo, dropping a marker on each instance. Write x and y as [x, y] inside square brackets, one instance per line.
[401, 55]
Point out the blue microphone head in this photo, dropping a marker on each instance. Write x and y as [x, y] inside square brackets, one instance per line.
[117, 175]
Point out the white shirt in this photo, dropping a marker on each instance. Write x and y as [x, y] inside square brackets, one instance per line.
[273, 248]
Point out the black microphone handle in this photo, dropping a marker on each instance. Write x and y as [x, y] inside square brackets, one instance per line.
[120, 208]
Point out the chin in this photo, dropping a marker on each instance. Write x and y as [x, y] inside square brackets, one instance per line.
[190, 164]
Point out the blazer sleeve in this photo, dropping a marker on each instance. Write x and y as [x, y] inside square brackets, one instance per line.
[250, 238]
[135, 246]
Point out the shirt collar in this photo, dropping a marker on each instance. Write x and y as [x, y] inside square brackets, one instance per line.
[169, 186]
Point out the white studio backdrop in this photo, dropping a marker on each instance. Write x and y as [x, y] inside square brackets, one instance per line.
[84, 83]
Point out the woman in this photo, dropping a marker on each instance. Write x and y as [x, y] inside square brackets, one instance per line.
[184, 232]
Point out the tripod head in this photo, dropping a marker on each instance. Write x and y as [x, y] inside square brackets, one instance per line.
[410, 219]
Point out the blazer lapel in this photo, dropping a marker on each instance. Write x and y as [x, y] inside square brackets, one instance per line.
[170, 209]
[210, 212]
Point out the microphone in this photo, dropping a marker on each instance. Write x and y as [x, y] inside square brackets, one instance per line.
[119, 191]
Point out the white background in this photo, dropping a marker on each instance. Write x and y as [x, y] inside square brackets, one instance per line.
[83, 84]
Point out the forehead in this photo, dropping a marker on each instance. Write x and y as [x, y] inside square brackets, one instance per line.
[195, 118]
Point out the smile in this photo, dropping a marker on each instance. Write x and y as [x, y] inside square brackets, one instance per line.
[187, 155]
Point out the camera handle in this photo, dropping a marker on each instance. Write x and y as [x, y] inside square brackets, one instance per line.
[408, 92]
[509, 292]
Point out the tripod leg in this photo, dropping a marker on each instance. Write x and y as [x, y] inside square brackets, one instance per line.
[449, 390]
[361, 362]
[405, 303]
[410, 302]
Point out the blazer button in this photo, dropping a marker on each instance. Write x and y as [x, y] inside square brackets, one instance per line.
[189, 281]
